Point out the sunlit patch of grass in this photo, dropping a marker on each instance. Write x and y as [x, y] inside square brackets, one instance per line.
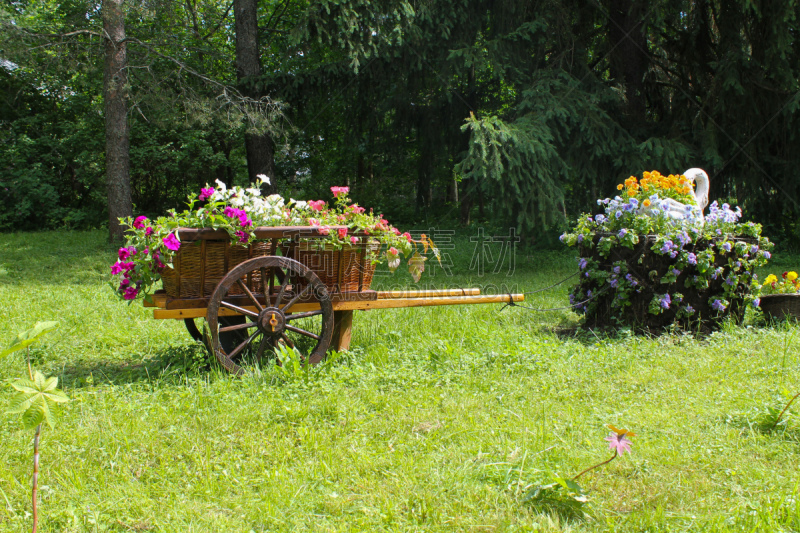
[436, 420]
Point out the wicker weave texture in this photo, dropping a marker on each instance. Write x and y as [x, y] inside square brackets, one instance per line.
[780, 306]
[200, 265]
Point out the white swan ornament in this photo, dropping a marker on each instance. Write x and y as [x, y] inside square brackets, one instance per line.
[679, 211]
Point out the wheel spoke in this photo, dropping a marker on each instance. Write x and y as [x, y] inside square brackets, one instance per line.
[271, 283]
[287, 340]
[295, 316]
[252, 296]
[238, 309]
[284, 283]
[246, 325]
[302, 332]
[296, 297]
[261, 347]
[265, 286]
[244, 343]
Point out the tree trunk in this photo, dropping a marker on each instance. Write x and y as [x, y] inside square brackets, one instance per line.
[115, 92]
[259, 146]
[628, 60]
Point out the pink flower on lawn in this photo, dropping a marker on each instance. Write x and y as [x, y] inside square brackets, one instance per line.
[172, 242]
[354, 240]
[317, 205]
[324, 230]
[342, 233]
[618, 443]
[339, 191]
[205, 193]
[130, 293]
[139, 222]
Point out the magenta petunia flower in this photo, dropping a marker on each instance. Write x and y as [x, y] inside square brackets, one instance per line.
[342, 233]
[618, 443]
[116, 268]
[243, 236]
[205, 193]
[172, 242]
[124, 253]
[139, 222]
[130, 293]
[340, 190]
[148, 231]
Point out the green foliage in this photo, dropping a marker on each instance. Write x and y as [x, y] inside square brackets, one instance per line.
[564, 497]
[35, 399]
[28, 337]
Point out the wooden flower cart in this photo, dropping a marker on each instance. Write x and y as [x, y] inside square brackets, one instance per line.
[287, 289]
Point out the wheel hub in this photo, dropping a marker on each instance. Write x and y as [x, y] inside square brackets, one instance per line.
[272, 321]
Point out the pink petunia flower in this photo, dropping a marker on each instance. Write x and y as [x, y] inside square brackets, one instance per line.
[313, 222]
[205, 193]
[316, 205]
[124, 283]
[172, 242]
[243, 236]
[125, 253]
[324, 230]
[396, 231]
[139, 222]
[116, 268]
[357, 208]
[618, 443]
[407, 235]
[393, 251]
[342, 233]
[148, 231]
[130, 293]
[337, 191]
[354, 240]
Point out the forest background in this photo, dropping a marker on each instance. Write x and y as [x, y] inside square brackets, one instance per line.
[507, 112]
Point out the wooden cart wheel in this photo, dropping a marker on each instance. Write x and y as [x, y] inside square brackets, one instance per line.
[280, 314]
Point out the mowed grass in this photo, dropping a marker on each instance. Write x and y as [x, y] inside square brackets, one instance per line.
[439, 419]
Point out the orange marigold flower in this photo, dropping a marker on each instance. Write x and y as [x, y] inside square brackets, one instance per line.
[646, 203]
[619, 187]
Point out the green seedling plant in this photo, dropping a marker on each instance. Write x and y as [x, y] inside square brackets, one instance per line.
[786, 408]
[35, 399]
[565, 496]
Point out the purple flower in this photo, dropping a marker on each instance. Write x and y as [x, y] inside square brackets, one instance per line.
[730, 281]
[613, 282]
[753, 249]
[726, 246]
[172, 242]
[205, 193]
[667, 247]
[562, 237]
[580, 238]
[243, 237]
[622, 233]
[600, 218]
[718, 305]
[619, 444]
[618, 214]
[582, 263]
[665, 301]
[617, 270]
[676, 271]
[689, 309]
[756, 302]
[766, 255]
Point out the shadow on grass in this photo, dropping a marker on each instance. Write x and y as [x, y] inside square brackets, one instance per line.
[170, 364]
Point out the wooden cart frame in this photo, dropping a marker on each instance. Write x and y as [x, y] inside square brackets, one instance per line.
[265, 317]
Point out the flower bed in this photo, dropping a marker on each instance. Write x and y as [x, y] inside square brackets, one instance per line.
[644, 267]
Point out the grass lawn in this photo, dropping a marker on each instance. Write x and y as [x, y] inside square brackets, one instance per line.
[439, 419]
